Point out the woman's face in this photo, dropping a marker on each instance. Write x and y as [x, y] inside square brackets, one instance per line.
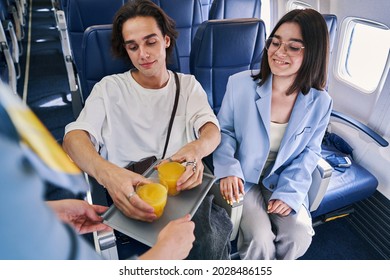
[145, 45]
[284, 63]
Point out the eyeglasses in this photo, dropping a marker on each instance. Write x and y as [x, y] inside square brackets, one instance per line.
[292, 48]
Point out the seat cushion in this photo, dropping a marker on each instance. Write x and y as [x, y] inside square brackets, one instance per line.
[345, 188]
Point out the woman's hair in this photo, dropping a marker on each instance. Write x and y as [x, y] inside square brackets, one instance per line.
[141, 8]
[313, 71]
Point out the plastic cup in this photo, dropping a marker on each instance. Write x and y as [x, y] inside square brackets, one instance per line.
[169, 173]
[155, 195]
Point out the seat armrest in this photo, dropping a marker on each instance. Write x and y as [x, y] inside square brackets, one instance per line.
[105, 244]
[320, 181]
[361, 126]
[105, 241]
[233, 210]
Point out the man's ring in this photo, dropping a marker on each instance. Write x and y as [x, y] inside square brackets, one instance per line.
[193, 163]
[131, 195]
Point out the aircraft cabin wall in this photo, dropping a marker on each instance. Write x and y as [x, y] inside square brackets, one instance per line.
[369, 91]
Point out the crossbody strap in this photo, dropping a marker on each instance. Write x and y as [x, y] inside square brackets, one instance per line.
[173, 112]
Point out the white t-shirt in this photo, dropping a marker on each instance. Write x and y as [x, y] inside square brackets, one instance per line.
[127, 122]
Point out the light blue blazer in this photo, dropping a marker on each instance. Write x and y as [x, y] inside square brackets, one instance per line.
[245, 117]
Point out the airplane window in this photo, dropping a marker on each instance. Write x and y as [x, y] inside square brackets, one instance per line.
[364, 54]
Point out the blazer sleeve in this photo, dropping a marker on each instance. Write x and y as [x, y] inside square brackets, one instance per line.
[225, 163]
[30, 229]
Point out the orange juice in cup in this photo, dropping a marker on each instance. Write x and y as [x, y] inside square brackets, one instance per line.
[169, 173]
[155, 195]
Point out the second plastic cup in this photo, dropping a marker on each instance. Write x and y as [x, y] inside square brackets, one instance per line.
[155, 195]
[168, 174]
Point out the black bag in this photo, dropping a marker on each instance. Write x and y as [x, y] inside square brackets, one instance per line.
[141, 166]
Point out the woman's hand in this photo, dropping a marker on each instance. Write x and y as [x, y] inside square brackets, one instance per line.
[231, 188]
[276, 206]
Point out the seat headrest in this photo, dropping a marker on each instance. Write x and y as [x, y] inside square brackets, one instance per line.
[82, 14]
[331, 22]
[98, 60]
[188, 16]
[222, 48]
[224, 9]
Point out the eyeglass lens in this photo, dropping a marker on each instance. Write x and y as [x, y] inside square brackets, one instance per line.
[292, 47]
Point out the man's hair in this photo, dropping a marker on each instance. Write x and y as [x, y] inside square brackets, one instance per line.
[141, 8]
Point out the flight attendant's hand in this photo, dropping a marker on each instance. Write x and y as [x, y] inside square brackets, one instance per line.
[81, 215]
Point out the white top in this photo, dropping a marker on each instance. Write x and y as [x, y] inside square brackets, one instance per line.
[276, 134]
[127, 122]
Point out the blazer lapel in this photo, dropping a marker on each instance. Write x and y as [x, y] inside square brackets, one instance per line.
[299, 113]
[264, 104]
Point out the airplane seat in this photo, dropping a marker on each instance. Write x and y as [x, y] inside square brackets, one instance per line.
[222, 48]
[72, 18]
[206, 6]
[188, 16]
[11, 34]
[347, 184]
[331, 22]
[81, 14]
[96, 58]
[98, 61]
[63, 4]
[8, 72]
[224, 9]
[15, 12]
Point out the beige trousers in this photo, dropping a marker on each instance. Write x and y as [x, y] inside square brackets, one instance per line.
[264, 236]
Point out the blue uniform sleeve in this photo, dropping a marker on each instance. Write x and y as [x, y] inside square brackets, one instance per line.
[30, 229]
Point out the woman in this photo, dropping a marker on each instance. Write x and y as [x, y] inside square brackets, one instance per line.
[126, 116]
[272, 124]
